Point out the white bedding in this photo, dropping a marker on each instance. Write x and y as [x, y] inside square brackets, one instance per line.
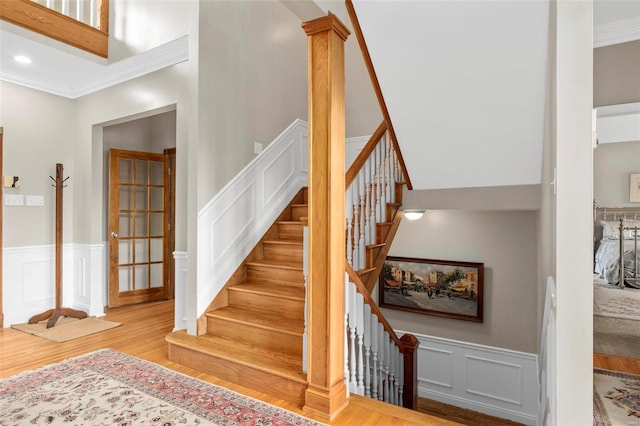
[607, 263]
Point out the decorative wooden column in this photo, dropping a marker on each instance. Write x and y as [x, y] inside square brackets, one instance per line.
[326, 394]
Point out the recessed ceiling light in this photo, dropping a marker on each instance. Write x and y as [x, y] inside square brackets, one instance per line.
[22, 59]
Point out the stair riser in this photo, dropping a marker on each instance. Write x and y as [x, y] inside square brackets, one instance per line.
[275, 275]
[269, 339]
[298, 212]
[251, 378]
[290, 231]
[284, 252]
[293, 309]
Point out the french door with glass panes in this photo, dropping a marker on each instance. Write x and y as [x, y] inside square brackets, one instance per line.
[138, 227]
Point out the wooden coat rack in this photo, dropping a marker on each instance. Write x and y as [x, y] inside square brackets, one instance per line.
[54, 314]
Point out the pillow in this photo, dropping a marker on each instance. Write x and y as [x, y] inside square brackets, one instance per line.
[610, 229]
[629, 234]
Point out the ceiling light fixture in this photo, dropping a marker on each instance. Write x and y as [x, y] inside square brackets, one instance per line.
[22, 59]
[413, 214]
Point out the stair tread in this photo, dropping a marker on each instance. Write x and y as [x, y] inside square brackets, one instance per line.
[271, 361]
[260, 318]
[271, 289]
[277, 264]
[284, 242]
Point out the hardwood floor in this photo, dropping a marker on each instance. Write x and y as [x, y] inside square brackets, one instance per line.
[616, 363]
[142, 334]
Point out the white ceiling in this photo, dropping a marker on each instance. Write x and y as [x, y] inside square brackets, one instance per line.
[465, 78]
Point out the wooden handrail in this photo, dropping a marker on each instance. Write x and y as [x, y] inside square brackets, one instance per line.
[358, 163]
[376, 87]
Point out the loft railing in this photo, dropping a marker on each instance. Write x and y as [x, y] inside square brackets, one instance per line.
[80, 23]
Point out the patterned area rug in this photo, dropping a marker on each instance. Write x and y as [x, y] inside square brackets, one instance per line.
[617, 303]
[108, 387]
[616, 398]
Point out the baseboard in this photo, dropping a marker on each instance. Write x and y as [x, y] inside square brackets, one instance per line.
[494, 381]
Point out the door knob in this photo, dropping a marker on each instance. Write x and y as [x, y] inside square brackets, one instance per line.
[114, 235]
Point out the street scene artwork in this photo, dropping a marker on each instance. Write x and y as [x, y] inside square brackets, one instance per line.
[433, 287]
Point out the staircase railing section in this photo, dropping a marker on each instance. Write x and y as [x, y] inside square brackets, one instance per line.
[370, 182]
[85, 11]
[378, 364]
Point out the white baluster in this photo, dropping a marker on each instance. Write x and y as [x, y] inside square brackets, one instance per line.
[349, 218]
[367, 350]
[80, 10]
[359, 314]
[381, 340]
[65, 7]
[387, 357]
[374, 356]
[372, 205]
[353, 384]
[346, 327]
[363, 225]
[378, 183]
[392, 371]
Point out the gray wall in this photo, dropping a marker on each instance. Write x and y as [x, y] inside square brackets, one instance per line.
[612, 164]
[506, 242]
[37, 135]
[616, 74]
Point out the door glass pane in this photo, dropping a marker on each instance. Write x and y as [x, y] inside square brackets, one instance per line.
[124, 252]
[125, 198]
[125, 227]
[141, 197]
[125, 171]
[141, 224]
[155, 254]
[124, 278]
[157, 173]
[156, 198]
[142, 277]
[142, 172]
[156, 275]
[157, 224]
[142, 250]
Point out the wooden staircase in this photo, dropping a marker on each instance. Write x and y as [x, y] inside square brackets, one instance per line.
[254, 328]
[252, 333]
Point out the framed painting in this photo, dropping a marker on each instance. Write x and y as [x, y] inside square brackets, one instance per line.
[433, 287]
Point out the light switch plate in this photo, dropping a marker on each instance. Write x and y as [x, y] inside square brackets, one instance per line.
[35, 200]
[13, 200]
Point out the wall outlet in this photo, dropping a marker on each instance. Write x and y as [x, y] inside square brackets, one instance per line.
[257, 147]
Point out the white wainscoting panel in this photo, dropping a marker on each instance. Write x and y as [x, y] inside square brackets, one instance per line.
[494, 381]
[29, 280]
[235, 219]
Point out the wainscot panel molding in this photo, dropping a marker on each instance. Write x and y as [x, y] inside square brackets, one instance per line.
[180, 287]
[29, 280]
[498, 382]
[235, 219]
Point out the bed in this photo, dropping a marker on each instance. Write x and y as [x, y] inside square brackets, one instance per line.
[610, 224]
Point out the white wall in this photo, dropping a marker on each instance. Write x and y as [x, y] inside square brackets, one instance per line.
[505, 241]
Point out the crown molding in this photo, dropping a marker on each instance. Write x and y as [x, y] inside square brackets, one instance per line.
[103, 76]
[616, 32]
[618, 123]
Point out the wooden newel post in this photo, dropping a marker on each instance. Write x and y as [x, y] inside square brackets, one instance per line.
[326, 393]
[54, 314]
[409, 344]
